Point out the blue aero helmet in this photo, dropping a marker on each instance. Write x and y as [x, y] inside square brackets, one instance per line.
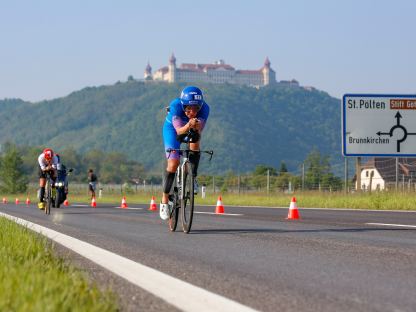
[191, 96]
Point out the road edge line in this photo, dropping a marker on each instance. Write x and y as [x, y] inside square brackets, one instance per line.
[176, 292]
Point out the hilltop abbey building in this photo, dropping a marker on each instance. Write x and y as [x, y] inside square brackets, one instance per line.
[218, 72]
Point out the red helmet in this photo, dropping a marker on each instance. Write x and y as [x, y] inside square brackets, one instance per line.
[48, 153]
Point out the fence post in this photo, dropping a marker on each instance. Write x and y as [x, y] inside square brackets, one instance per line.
[303, 177]
[397, 174]
[268, 181]
[346, 174]
[358, 173]
[370, 186]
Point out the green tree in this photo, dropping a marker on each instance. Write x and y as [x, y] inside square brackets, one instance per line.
[71, 159]
[92, 159]
[318, 171]
[116, 118]
[282, 168]
[262, 170]
[282, 181]
[12, 175]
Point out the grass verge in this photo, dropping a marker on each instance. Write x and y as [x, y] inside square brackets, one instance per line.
[375, 200]
[34, 279]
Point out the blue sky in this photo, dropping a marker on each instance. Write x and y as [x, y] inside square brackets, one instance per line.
[51, 48]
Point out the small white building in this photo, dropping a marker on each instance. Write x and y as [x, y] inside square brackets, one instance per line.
[380, 173]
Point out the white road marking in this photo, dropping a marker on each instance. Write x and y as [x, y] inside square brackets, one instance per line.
[317, 208]
[225, 214]
[394, 225]
[78, 205]
[178, 293]
[132, 208]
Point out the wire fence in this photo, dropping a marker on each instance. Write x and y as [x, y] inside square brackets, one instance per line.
[302, 179]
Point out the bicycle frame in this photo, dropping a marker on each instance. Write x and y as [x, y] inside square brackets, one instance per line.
[48, 193]
[183, 194]
[179, 174]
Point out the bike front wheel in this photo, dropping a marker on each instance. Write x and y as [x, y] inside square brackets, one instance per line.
[187, 203]
[48, 198]
[173, 218]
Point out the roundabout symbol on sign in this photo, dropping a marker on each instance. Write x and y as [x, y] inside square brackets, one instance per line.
[397, 126]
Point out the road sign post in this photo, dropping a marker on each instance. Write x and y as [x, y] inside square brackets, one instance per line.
[379, 125]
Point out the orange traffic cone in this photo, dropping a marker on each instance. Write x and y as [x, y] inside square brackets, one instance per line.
[93, 202]
[17, 201]
[123, 202]
[152, 206]
[293, 210]
[28, 201]
[219, 208]
[66, 202]
[4, 200]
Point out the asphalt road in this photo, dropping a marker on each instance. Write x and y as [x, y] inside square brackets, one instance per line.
[330, 260]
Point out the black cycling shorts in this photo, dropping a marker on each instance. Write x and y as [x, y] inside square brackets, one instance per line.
[42, 174]
[92, 186]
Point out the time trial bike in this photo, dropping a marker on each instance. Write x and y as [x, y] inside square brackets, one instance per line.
[49, 196]
[183, 193]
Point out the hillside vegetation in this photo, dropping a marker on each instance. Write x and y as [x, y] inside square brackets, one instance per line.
[247, 126]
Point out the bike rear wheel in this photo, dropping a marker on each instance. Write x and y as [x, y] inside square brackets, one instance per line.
[59, 195]
[173, 219]
[187, 203]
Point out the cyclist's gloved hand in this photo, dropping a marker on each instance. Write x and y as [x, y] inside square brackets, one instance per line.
[192, 136]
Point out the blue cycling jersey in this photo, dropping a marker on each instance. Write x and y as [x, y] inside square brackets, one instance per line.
[177, 115]
[176, 119]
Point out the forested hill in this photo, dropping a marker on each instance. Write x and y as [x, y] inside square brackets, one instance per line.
[247, 126]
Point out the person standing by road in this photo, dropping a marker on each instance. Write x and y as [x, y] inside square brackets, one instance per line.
[92, 183]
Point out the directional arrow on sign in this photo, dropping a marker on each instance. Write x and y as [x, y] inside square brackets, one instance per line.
[398, 116]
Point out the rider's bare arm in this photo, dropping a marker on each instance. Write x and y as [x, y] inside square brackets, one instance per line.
[193, 123]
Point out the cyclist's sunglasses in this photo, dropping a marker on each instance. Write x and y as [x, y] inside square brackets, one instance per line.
[192, 107]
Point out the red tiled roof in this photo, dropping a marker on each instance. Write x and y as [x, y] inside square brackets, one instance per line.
[387, 167]
[248, 71]
[215, 66]
[189, 70]
[189, 66]
[204, 67]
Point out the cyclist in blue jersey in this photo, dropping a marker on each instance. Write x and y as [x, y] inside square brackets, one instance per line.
[190, 111]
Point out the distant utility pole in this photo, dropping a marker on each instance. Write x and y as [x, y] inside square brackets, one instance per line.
[303, 176]
[268, 181]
